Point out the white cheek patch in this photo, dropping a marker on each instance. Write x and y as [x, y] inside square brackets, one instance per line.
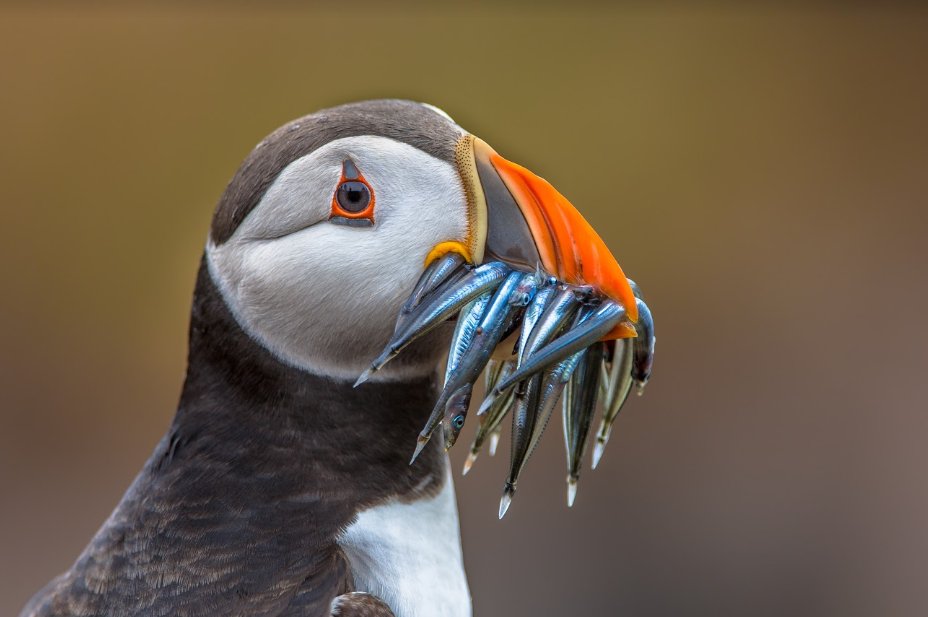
[300, 196]
[324, 297]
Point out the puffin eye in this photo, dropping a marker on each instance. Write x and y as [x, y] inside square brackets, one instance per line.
[353, 196]
[353, 202]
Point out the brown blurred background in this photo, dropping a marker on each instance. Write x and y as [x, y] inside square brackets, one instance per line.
[761, 172]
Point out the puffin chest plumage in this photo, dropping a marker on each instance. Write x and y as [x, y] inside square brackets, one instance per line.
[408, 552]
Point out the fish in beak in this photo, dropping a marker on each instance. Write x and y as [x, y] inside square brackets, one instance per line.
[578, 302]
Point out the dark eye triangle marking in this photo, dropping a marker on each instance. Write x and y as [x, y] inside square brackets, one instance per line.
[350, 170]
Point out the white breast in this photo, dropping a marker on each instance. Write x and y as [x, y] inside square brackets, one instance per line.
[409, 555]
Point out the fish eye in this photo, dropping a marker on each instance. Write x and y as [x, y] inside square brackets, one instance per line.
[457, 421]
[353, 196]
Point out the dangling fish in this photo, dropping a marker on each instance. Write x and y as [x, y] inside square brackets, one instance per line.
[489, 428]
[494, 321]
[643, 347]
[544, 320]
[442, 304]
[579, 407]
[518, 298]
[559, 355]
[491, 422]
[523, 423]
[597, 325]
[617, 382]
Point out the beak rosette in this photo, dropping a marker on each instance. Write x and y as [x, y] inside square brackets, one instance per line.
[530, 268]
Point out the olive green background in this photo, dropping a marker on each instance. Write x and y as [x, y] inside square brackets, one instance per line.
[762, 172]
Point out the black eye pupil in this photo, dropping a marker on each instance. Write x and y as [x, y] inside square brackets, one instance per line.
[458, 421]
[353, 196]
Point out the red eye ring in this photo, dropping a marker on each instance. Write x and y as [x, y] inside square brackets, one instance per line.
[353, 201]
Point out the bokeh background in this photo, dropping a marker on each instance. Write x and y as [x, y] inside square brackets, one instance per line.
[761, 171]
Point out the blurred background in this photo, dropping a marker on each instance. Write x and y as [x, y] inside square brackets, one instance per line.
[760, 171]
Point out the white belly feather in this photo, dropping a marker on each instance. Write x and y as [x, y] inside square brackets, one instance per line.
[409, 555]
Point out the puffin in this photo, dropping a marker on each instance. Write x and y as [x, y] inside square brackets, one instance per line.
[280, 489]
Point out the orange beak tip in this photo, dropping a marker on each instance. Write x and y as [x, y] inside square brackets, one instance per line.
[567, 244]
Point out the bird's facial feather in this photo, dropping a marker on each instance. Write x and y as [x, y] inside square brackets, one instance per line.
[324, 296]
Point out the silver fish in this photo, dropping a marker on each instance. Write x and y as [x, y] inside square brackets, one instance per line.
[456, 413]
[533, 313]
[464, 330]
[441, 307]
[493, 323]
[523, 424]
[524, 294]
[490, 426]
[553, 382]
[535, 309]
[496, 320]
[437, 272]
[643, 346]
[496, 434]
[493, 326]
[493, 371]
[602, 320]
[525, 290]
[556, 314]
[618, 384]
[579, 406]
[533, 409]
[546, 318]
[492, 422]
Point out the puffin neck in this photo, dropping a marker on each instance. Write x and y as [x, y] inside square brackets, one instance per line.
[297, 423]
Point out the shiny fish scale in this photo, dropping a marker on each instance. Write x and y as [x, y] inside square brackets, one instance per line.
[643, 346]
[455, 397]
[549, 386]
[581, 336]
[631, 363]
[464, 331]
[533, 314]
[517, 291]
[523, 425]
[558, 355]
[491, 421]
[616, 385]
[436, 274]
[544, 319]
[489, 428]
[579, 406]
[553, 382]
[556, 314]
[440, 305]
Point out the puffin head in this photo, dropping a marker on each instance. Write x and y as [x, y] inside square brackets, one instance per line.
[327, 225]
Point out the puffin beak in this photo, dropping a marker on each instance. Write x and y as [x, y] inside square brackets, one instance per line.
[528, 224]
